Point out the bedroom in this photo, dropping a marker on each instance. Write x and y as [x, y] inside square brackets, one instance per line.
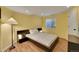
[34, 18]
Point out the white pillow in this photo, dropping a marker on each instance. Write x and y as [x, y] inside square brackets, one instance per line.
[32, 31]
[41, 31]
[19, 36]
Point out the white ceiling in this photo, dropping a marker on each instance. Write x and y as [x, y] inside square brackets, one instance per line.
[38, 10]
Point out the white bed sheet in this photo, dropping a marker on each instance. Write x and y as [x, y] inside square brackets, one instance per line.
[43, 38]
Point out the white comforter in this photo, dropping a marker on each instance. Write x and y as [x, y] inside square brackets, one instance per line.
[43, 38]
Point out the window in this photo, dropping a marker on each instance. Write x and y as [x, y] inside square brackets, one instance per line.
[50, 23]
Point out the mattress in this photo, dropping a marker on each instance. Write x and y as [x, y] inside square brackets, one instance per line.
[43, 38]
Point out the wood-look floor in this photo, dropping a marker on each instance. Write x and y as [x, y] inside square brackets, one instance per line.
[28, 46]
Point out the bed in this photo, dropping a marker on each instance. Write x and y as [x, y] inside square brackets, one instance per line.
[44, 39]
[41, 39]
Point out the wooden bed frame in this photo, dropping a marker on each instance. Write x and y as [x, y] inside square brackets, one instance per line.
[52, 46]
[23, 32]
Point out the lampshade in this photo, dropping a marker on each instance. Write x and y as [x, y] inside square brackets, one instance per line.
[12, 21]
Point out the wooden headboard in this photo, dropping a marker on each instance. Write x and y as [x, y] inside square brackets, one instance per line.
[27, 31]
[23, 32]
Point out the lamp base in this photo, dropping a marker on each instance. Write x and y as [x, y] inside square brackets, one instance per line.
[12, 47]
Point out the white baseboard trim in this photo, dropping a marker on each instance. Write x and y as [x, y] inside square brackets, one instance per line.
[3, 50]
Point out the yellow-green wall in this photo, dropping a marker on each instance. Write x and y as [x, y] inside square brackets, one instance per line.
[77, 11]
[0, 30]
[74, 16]
[5, 28]
[0, 34]
[61, 25]
[24, 22]
[27, 21]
